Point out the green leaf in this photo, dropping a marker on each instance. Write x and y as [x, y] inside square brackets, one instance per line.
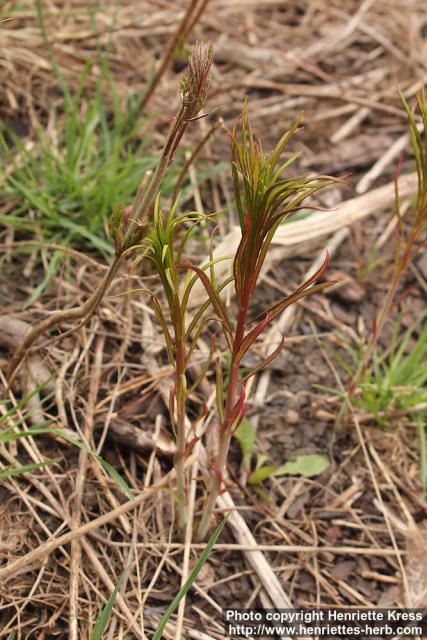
[8, 435]
[164, 325]
[114, 475]
[19, 471]
[49, 275]
[263, 495]
[214, 297]
[97, 160]
[104, 616]
[24, 401]
[307, 466]
[192, 577]
[246, 436]
[261, 474]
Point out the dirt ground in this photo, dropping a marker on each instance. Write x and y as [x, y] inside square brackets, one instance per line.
[355, 535]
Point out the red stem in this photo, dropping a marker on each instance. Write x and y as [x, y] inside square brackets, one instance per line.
[225, 434]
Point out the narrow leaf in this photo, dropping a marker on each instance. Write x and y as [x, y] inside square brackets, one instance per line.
[264, 362]
[278, 308]
[166, 334]
[105, 614]
[213, 295]
[35, 431]
[189, 582]
[26, 468]
[250, 338]
[238, 411]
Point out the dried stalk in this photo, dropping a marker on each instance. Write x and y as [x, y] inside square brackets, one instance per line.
[191, 16]
[128, 234]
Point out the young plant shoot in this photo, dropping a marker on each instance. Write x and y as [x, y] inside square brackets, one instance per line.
[264, 199]
[165, 252]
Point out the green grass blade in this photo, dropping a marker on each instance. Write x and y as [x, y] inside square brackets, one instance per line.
[82, 231]
[53, 59]
[19, 471]
[23, 402]
[52, 270]
[105, 614]
[192, 577]
[114, 475]
[9, 435]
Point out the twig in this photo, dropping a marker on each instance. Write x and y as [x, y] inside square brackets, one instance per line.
[189, 161]
[85, 311]
[255, 558]
[191, 16]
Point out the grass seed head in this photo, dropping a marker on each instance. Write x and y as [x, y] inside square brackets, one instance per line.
[195, 83]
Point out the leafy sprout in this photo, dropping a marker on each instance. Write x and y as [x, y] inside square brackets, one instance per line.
[264, 198]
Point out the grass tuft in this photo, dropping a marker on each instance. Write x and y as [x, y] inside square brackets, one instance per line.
[73, 178]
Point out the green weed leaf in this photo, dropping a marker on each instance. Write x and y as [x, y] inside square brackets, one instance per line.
[246, 436]
[261, 474]
[305, 465]
[9, 435]
[10, 471]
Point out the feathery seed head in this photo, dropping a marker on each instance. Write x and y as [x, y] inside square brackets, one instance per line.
[195, 83]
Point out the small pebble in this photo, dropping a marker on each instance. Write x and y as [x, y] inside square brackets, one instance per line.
[292, 417]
